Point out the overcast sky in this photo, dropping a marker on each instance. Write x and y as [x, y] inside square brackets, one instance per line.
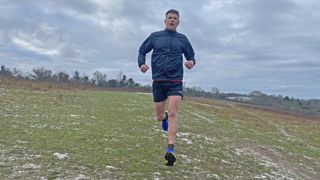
[241, 45]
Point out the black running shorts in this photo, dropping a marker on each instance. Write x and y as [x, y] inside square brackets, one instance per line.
[161, 90]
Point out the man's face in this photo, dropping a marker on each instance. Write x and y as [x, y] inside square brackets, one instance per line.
[172, 21]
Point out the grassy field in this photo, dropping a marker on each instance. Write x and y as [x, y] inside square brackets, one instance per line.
[89, 134]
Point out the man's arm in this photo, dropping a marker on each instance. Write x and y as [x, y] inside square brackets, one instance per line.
[189, 55]
[143, 50]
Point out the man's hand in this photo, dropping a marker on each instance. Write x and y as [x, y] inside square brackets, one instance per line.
[189, 64]
[144, 68]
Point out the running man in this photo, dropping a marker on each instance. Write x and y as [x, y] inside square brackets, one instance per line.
[167, 73]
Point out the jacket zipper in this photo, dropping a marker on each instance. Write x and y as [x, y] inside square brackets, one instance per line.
[167, 59]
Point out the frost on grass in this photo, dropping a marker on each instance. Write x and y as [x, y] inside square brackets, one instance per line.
[81, 176]
[31, 166]
[74, 115]
[185, 137]
[185, 158]
[280, 169]
[203, 117]
[287, 135]
[112, 168]
[188, 141]
[60, 156]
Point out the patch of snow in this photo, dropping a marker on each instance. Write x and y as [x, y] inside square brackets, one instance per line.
[286, 134]
[225, 161]
[282, 148]
[280, 171]
[156, 173]
[261, 176]
[75, 123]
[81, 176]
[238, 152]
[187, 140]
[207, 105]
[31, 166]
[112, 168]
[309, 158]
[183, 134]
[202, 117]
[60, 156]
[30, 157]
[210, 139]
[164, 134]
[21, 141]
[156, 176]
[39, 126]
[185, 158]
[214, 176]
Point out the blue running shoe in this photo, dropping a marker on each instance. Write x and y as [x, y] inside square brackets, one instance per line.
[170, 157]
[165, 123]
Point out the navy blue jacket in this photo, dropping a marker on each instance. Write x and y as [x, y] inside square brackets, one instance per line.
[166, 60]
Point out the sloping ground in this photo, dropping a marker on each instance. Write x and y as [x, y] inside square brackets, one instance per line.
[287, 146]
[72, 134]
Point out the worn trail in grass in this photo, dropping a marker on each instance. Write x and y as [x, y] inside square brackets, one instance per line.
[98, 134]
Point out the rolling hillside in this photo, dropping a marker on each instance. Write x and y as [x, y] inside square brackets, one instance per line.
[88, 134]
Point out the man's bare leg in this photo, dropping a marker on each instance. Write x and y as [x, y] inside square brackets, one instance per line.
[173, 107]
[160, 109]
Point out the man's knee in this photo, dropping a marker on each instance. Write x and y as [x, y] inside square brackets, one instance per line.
[159, 115]
[160, 108]
[172, 114]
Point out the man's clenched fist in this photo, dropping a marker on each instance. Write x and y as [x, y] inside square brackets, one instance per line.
[189, 64]
[144, 68]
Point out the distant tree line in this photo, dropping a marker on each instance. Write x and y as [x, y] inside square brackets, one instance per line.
[279, 102]
[288, 104]
[99, 79]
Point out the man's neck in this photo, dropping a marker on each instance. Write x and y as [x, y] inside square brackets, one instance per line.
[171, 30]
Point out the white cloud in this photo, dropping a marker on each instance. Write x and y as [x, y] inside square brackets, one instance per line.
[25, 44]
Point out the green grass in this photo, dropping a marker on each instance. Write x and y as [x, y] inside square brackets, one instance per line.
[114, 135]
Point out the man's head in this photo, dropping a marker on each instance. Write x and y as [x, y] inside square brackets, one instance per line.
[172, 19]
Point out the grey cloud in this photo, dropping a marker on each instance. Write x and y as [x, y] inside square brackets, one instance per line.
[81, 6]
[240, 46]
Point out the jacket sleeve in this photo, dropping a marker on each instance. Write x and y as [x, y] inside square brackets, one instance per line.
[144, 49]
[188, 51]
